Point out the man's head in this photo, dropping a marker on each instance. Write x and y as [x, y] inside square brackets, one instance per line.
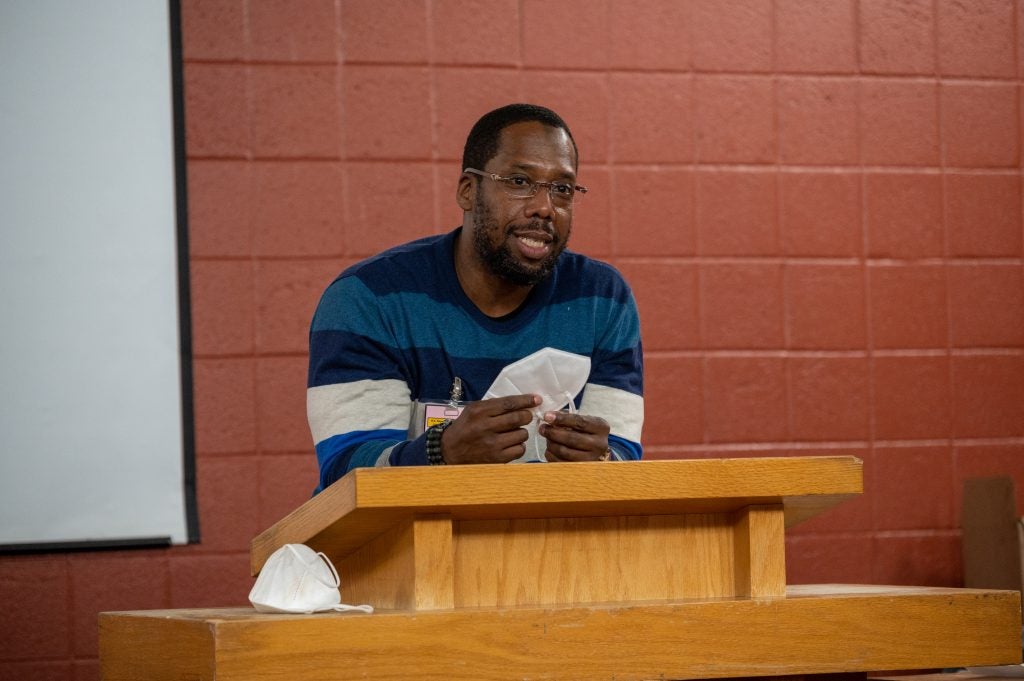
[518, 238]
[482, 142]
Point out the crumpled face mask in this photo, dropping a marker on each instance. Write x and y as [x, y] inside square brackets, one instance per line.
[297, 579]
[556, 376]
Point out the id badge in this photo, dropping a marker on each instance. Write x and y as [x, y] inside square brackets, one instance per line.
[439, 412]
[429, 414]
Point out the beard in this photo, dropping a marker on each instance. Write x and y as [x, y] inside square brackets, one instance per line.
[499, 259]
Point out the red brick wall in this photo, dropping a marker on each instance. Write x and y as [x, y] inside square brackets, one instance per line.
[817, 203]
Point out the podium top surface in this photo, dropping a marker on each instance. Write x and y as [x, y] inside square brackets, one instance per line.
[368, 501]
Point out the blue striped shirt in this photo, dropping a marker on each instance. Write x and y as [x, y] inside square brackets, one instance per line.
[397, 328]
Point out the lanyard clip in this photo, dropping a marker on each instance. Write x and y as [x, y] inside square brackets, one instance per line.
[456, 394]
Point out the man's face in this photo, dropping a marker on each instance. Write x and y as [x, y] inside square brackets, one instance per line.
[520, 239]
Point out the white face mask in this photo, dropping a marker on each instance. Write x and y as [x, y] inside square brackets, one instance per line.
[299, 580]
[556, 375]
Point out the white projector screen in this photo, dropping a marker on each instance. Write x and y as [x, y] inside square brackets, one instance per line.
[95, 415]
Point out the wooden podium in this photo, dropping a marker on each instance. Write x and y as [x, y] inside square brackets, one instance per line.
[624, 570]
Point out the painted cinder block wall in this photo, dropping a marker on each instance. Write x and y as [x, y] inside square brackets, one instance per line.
[818, 204]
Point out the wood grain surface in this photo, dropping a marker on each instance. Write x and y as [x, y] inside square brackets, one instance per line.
[814, 630]
[369, 501]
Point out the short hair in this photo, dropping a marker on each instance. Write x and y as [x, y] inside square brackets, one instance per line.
[482, 142]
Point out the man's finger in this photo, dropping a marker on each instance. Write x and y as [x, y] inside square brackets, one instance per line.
[560, 452]
[577, 422]
[510, 420]
[500, 405]
[567, 437]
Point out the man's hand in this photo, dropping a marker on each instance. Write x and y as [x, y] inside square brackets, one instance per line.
[489, 431]
[575, 437]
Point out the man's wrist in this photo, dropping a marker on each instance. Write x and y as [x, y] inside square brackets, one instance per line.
[434, 433]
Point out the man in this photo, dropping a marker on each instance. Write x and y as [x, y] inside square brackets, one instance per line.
[420, 323]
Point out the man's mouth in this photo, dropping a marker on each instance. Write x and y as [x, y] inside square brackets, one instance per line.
[533, 247]
[533, 241]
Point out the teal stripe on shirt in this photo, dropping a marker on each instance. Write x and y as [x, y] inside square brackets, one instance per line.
[425, 319]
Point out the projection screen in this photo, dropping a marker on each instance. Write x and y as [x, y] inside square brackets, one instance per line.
[95, 414]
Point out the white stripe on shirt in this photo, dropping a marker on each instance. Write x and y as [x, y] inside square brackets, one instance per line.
[360, 405]
[623, 410]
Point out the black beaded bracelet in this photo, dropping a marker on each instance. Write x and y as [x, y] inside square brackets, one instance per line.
[434, 434]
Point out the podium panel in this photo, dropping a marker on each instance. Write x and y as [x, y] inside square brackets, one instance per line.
[437, 562]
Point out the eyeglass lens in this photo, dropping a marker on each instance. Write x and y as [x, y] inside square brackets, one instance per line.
[524, 187]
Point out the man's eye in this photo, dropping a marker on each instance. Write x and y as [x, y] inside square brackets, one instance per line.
[562, 189]
[519, 181]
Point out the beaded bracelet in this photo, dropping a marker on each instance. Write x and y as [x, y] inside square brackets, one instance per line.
[434, 433]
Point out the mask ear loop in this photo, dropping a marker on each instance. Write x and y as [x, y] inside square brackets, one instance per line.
[536, 442]
[313, 573]
[341, 607]
[334, 572]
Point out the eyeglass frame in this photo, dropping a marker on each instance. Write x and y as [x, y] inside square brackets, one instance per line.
[536, 184]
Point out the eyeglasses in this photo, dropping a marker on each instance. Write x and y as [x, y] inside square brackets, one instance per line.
[522, 187]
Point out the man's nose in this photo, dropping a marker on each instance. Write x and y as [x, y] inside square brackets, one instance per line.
[540, 204]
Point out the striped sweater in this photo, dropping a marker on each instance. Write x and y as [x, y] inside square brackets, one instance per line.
[394, 331]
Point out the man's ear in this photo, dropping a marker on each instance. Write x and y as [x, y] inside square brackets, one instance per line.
[465, 192]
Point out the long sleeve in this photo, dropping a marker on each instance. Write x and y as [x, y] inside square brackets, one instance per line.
[357, 400]
[615, 388]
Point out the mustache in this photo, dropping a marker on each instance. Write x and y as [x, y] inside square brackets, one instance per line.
[533, 226]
